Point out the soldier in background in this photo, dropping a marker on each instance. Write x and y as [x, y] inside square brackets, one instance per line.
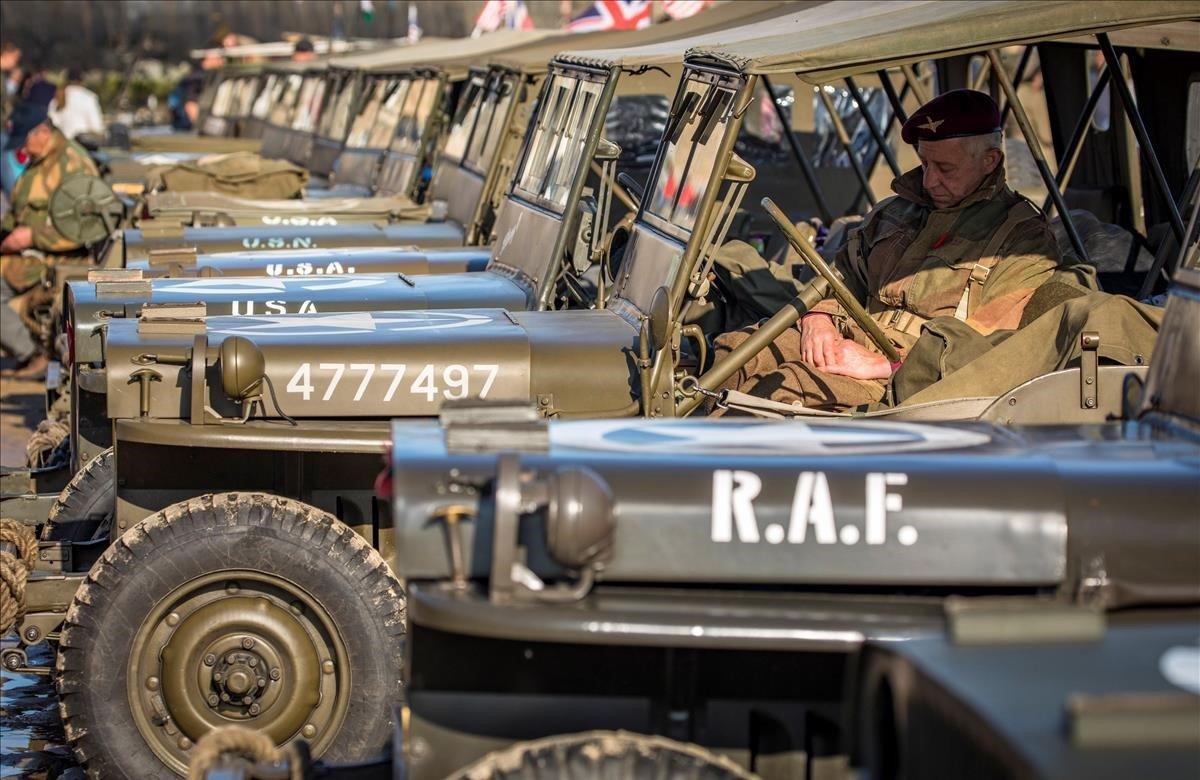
[955, 241]
[30, 238]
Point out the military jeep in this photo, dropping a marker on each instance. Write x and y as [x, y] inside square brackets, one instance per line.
[289, 495]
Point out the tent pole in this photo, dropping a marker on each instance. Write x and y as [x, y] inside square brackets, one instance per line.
[896, 100]
[806, 169]
[1143, 137]
[1016, 82]
[844, 138]
[1066, 166]
[910, 73]
[1035, 148]
[1160, 257]
[873, 126]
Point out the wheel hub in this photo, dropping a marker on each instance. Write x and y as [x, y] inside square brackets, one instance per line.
[225, 651]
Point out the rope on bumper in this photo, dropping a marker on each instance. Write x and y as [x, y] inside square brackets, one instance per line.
[48, 435]
[240, 742]
[18, 553]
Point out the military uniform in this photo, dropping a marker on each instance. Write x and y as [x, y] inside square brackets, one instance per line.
[908, 262]
[31, 208]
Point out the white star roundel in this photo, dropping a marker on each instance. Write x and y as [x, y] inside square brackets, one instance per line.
[343, 324]
[759, 437]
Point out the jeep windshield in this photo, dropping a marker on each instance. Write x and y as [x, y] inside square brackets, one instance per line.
[308, 105]
[406, 127]
[479, 122]
[552, 155]
[695, 130]
[336, 117]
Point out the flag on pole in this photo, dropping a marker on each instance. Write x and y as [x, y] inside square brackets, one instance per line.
[612, 15]
[682, 9]
[414, 27]
[502, 13]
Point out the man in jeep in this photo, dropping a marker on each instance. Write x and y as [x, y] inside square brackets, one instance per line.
[954, 241]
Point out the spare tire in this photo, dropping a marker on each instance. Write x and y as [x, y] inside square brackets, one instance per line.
[603, 754]
[84, 509]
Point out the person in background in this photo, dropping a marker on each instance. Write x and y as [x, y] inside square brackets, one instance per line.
[303, 52]
[10, 73]
[184, 99]
[76, 109]
[52, 158]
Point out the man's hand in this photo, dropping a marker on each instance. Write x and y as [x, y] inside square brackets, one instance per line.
[818, 339]
[857, 362]
[17, 241]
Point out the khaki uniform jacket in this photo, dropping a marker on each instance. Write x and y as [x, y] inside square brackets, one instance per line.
[979, 261]
[31, 193]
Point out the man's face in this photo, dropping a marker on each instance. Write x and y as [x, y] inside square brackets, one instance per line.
[952, 169]
[37, 143]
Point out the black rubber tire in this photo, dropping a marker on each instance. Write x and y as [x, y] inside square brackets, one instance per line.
[84, 509]
[248, 531]
[603, 754]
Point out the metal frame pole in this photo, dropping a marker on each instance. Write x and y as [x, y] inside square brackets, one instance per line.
[1066, 165]
[914, 80]
[1016, 82]
[897, 101]
[1039, 157]
[1143, 137]
[873, 126]
[1160, 257]
[844, 139]
[806, 169]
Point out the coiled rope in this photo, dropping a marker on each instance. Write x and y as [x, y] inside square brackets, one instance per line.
[241, 742]
[18, 553]
[48, 435]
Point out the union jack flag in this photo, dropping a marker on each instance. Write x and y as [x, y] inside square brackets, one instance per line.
[682, 9]
[612, 15]
[502, 13]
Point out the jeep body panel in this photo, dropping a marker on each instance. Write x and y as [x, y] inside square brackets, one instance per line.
[138, 245]
[385, 364]
[319, 262]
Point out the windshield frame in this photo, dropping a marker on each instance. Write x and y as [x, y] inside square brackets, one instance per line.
[715, 81]
[539, 122]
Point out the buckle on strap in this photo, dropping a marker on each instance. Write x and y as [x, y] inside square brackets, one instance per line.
[980, 273]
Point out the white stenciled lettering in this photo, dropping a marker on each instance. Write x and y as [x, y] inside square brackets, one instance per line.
[812, 503]
[733, 505]
[733, 512]
[879, 502]
[431, 381]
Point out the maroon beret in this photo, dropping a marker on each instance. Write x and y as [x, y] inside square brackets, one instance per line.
[953, 114]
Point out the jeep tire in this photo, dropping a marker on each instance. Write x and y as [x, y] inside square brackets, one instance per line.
[603, 754]
[241, 608]
[84, 509]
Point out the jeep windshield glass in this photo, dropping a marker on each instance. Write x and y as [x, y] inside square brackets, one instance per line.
[490, 125]
[388, 115]
[464, 119]
[414, 115]
[309, 107]
[337, 114]
[268, 96]
[281, 109]
[690, 155]
[558, 139]
[360, 131]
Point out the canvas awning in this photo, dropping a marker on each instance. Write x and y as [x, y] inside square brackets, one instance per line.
[455, 56]
[843, 38]
[535, 58]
